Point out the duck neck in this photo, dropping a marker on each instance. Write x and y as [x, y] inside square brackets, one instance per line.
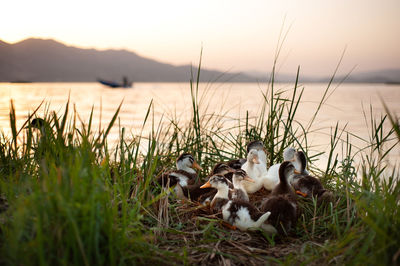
[237, 184]
[301, 162]
[185, 168]
[251, 165]
[262, 156]
[282, 177]
[223, 192]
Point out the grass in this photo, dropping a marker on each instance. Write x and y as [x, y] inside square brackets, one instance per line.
[69, 198]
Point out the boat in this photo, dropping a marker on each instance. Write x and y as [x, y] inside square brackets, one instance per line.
[125, 83]
[392, 82]
[20, 81]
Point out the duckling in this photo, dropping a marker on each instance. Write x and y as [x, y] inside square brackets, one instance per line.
[236, 163]
[299, 162]
[286, 171]
[204, 196]
[38, 123]
[259, 146]
[271, 178]
[240, 214]
[239, 193]
[255, 170]
[47, 148]
[197, 194]
[282, 201]
[182, 177]
[288, 154]
[256, 144]
[223, 169]
[305, 184]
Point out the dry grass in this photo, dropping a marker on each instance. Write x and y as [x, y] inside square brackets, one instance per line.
[204, 238]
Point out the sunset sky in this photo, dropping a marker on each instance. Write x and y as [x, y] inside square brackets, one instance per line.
[235, 35]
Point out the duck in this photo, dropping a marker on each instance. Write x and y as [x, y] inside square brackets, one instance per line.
[256, 144]
[282, 201]
[182, 177]
[299, 161]
[236, 163]
[197, 194]
[255, 170]
[38, 123]
[271, 178]
[259, 146]
[204, 196]
[239, 193]
[49, 145]
[223, 169]
[239, 214]
[306, 185]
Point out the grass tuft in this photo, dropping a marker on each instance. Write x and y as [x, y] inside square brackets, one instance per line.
[68, 197]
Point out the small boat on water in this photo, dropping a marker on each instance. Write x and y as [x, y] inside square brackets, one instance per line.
[20, 81]
[125, 83]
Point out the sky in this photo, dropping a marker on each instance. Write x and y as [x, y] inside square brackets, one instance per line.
[236, 35]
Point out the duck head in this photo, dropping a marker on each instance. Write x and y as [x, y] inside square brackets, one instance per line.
[259, 146]
[289, 154]
[255, 144]
[286, 171]
[300, 162]
[252, 157]
[221, 169]
[217, 181]
[239, 176]
[38, 123]
[187, 162]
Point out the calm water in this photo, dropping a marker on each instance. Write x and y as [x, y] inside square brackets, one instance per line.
[346, 104]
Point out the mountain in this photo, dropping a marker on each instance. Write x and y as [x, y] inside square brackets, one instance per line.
[280, 77]
[48, 60]
[377, 76]
[39, 60]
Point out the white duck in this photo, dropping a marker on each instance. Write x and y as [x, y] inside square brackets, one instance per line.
[239, 214]
[259, 146]
[255, 169]
[271, 178]
[299, 161]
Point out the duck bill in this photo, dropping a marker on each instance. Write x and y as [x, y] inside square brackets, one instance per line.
[256, 161]
[297, 172]
[248, 178]
[197, 166]
[206, 185]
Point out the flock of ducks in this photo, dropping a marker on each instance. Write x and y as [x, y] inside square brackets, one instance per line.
[230, 183]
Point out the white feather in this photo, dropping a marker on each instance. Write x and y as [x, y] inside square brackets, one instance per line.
[255, 172]
[271, 178]
[183, 180]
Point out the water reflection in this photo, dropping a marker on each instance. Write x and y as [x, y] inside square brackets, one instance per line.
[346, 105]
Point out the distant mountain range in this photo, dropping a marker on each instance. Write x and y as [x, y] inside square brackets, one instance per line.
[379, 76]
[39, 60]
[47, 60]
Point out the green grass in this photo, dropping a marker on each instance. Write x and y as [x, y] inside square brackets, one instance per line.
[75, 200]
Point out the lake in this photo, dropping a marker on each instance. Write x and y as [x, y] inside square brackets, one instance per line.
[347, 104]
